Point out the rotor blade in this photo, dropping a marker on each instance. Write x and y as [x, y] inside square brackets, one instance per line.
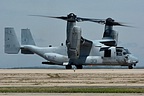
[101, 21]
[62, 17]
[120, 24]
[108, 21]
[78, 19]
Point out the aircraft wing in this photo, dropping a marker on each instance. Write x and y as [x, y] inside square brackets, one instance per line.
[85, 42]
[85, 47]
[109, 42]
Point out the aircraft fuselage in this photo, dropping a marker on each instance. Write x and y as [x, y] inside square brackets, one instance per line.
[99, 55]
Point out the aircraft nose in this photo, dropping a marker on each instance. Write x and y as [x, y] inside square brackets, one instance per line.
[133, 59]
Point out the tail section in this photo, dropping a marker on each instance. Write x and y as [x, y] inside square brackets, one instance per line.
[26, 37]
[12, 45]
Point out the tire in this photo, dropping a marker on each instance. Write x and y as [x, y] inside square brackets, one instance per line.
[130, 67]
[79, 66]
[68, 67]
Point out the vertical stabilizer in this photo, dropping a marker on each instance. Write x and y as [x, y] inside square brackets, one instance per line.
[12, 45]
[26, 37]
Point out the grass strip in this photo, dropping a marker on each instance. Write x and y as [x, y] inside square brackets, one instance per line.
[69, 90]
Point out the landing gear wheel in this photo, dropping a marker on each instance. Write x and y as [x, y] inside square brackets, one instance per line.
[68, 67]
[130, 67]
[79, 66]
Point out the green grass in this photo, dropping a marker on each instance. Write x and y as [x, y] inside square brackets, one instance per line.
[69, 90]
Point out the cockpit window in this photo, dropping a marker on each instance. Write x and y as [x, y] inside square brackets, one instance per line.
[127, 51]
[119, 52]
[122, 51]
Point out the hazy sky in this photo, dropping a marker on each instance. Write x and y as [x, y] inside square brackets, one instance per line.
[14, 13]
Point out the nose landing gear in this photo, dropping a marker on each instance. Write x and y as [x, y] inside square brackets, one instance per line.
[130, 67]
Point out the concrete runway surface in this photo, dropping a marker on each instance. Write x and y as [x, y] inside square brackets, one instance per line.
[63, 77]
[122, 71]
[71, 94]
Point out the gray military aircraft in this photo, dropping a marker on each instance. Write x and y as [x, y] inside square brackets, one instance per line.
[78, 51]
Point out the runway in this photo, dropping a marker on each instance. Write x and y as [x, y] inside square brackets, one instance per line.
[121, 71]
[63, 77]
[72, 78]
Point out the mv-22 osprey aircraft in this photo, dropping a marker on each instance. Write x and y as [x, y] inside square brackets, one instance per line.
[78, 51]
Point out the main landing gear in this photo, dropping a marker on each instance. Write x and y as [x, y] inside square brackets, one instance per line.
[77, 66]
[130, 67]
[68, 67]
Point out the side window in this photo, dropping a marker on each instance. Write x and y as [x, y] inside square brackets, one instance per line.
[118, 52]
[107, 53]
